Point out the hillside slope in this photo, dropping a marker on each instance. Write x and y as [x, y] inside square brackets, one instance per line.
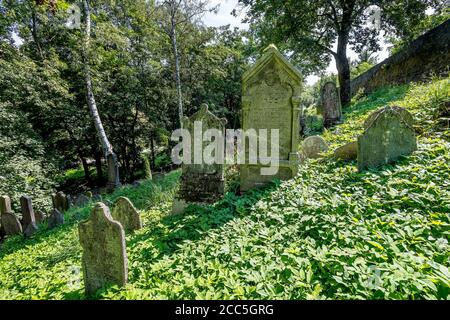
[330, 233]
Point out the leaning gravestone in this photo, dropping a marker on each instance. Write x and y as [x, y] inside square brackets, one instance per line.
[389, 135]
[331, 105]
[347, 152]
[60, 201]
[10, 223]
[104, 256]
[202, 181]
[124, 212]
[28, 217]
[271, 100]
[55, 219]
[312, 147]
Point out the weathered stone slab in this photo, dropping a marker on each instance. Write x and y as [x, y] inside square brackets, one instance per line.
[30, 230]
[347, 152]
[331, 105]
[5, 204]
[55, 219]
[104, 256]
[124, 212]
[10, 224]
[402, 113]
[60, 201]
[81, 201]
[312, 147]
[388, 137]
[27, 210]
[271, 100]
[203, 182]
[40, 216]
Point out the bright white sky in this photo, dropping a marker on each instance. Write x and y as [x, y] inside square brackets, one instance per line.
[224, 17]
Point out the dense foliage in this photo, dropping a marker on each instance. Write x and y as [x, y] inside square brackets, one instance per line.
[330, 233]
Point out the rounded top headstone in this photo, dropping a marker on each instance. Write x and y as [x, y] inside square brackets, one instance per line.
[314, 146]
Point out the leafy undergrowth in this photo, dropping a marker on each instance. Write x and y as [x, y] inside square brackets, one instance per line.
[330, 233]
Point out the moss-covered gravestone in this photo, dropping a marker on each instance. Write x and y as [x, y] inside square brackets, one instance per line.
[55, 219]
[104, 256]
[60, 201]
[388, 135]
[202, 180]
[271, 100]
[10, 223]
[124, 212]
[313, 147]
[331, 105]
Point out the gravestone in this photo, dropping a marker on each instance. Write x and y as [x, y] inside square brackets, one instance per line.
[104, 258]
[60, 201]
[124, 212]
[389, 135]
[28, 217]
[201, 182]
[55, 219]
[313, 146]
[113, 172]
[10, 223]
[40, 216]
[81, 201]
[271, 100]
[331, 105]
[347, 152]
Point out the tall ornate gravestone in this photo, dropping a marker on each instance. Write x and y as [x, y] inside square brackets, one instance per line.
[271, 100]
[28, 218]
[331, 105]
[10, 223]
[388, 135]
[202, 181]
[124, 212]
[104, 256]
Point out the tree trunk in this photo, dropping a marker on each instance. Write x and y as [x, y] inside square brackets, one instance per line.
[110, 156]
[173, 37]
[343, 67]
[87, 173]
[152, 147]
[98, 167]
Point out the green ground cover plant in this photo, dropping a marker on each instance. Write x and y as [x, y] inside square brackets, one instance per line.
[330, 233]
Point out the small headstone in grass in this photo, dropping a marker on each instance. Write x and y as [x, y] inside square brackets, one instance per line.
[81, 201]
[331, 105]
[60, 201]
[347, 152]
[389, 136]
[10, 224]
[55, 219]
[312, 147]
[89, 194]
[40, 217]
[124, 212]
[104, 258]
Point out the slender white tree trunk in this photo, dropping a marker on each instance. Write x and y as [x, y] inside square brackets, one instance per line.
[110, 156]
[177, 72]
